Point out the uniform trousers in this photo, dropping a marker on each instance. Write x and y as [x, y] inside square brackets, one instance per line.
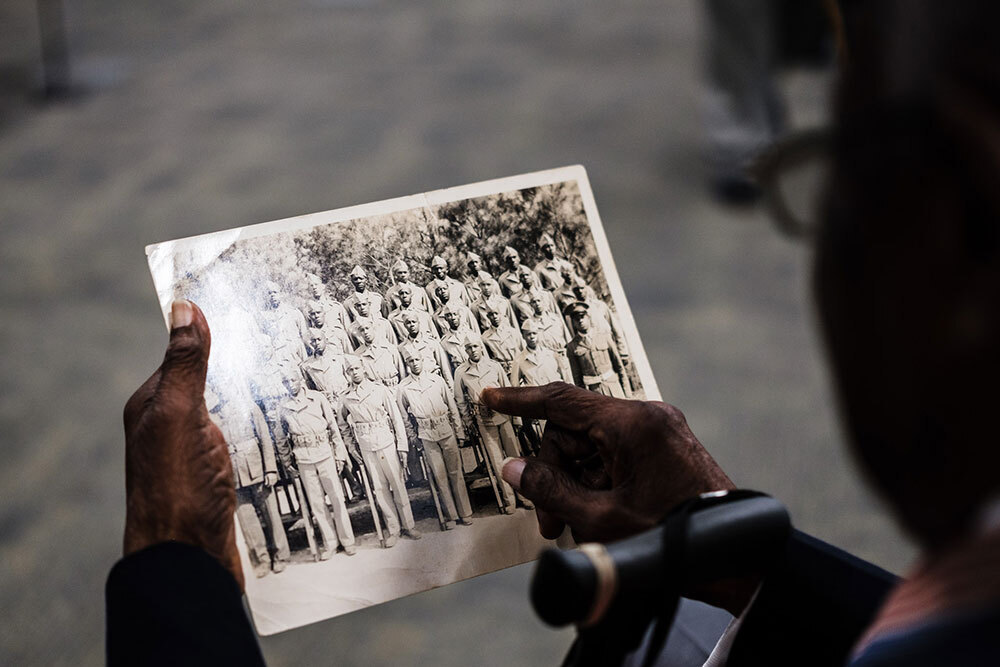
[446, 467]
[500, 442]
[320, 477]
[387, 480]
[608, 388]
[254, 499]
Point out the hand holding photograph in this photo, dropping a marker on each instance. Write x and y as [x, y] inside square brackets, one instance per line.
[349, 352]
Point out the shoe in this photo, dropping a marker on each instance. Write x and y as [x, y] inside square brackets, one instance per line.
[509, 509]
[261, 570]
[412, 533]
[465, 522]
[449, 525]
[325, 554]
[391, 541]
[279, 566]
[350, 550]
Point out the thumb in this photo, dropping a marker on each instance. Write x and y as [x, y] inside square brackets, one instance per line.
[558, 497]
[185, 364]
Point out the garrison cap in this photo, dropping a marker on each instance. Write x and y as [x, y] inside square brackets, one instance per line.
[439, 261]
[356, 327]
[353, 361]
[545, 240]
[525, 271]
[400, 265]
[314, 306]
[404, 287]
[314, 279]
[509, 252]
[358, 271]
[484, 277]
[529, 326]
[472, 339]
[471, 256]
[450, 308]
[408, 351]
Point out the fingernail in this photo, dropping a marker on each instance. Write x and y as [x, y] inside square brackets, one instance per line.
[181, 314]
[511, 470]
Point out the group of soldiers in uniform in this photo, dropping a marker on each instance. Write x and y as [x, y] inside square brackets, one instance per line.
[354, 398]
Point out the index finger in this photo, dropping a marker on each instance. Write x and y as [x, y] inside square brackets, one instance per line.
[567, 405]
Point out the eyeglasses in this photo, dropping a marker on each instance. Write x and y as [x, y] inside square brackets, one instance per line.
[792, 173]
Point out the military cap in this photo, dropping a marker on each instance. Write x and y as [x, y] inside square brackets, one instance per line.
[529, 326]
[271, 286]
[403, 287]
[545, 240]
[471, 339]
[490, 307]
[439, 261]
[525, 271]
[314, 306]
[356, 327]
[484, 277]
[471, 256]
[577, 309]
[408, 351]
[450, 308]
[400, 265]
[509, 252]
[353, 361]
[358, 271]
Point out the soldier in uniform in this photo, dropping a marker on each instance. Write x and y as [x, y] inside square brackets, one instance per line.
[521, 302]
[456, 291]
[255, 472]
[453, 338]
[325, 371]
[435, 360]
[418, 298]
[404, 299]
[496, 430]
[267, 386]
[510, 281]
[382, 362]
[310, 423]
[333, 311]
[475, 264]
[428, 408]
[502, 341]
[594, 358]
[601, 317]
[371, 420]
[381, 328]
[465, 315]
[536, 365]
[330, 329]
[552, 334]
[359, 278]
[551, 268]
[490, 299]
[285, 325]
[564, 294]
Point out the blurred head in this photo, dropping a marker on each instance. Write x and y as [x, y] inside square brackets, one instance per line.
[439, 268]
[354, 369]
[451, 317]
[475, 265]
[511, 259]
[474, 350]
[366, 331]
[526, 276]
[442, 293]
[401, 272]
[363, 307]
[293, 384]
[405, 296]
[359, 278]
[579, 314]
[493, 316]
[907, 271]
[316, 288]
[531, 339]
[547, 246]
[535, 300]
[273, 295]
[318, 344]
[580, 290]
[412, 360]
[412, 324]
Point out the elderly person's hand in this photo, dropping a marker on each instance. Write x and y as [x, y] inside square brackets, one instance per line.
[178, 477]
[608, 467]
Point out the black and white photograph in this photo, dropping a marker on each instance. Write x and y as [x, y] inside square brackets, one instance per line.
[350, 349]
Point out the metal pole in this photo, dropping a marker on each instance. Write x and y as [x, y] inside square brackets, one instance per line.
[431, 482]
[306, 516]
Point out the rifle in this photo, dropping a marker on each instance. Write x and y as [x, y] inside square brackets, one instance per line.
[371, 504]
[475, 437]
[434, 493]
[306, 516]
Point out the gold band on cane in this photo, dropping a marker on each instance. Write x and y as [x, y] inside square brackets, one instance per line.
[607, 580]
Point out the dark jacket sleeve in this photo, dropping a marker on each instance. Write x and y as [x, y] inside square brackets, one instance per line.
[811, 608]
[173, 604]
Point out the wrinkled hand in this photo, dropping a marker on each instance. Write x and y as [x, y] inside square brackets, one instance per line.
[608, 467]
[178, 478]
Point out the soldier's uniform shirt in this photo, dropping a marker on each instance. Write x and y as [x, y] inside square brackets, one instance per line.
[549, 272]
[374, 300]
[596, 364]
[465, 319]
[311, 424]
[419, 296]
[251, 452]
[495, 428]
[382, 364]
[382, 331]
[553, 334]
[453, 344]
[326, 373]
[603, 319]
[536, 368]
[510, 281]
[429, 410]
[498, 303]
[475, 291]
[424, 319]
[564, 296]
[521, 303]
[287, 327]
[338, 341]
[456, 291]
[268, 388]
[435, 359]
[371, 418]
[504, 343]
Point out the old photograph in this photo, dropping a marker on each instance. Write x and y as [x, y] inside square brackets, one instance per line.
[349, 352]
